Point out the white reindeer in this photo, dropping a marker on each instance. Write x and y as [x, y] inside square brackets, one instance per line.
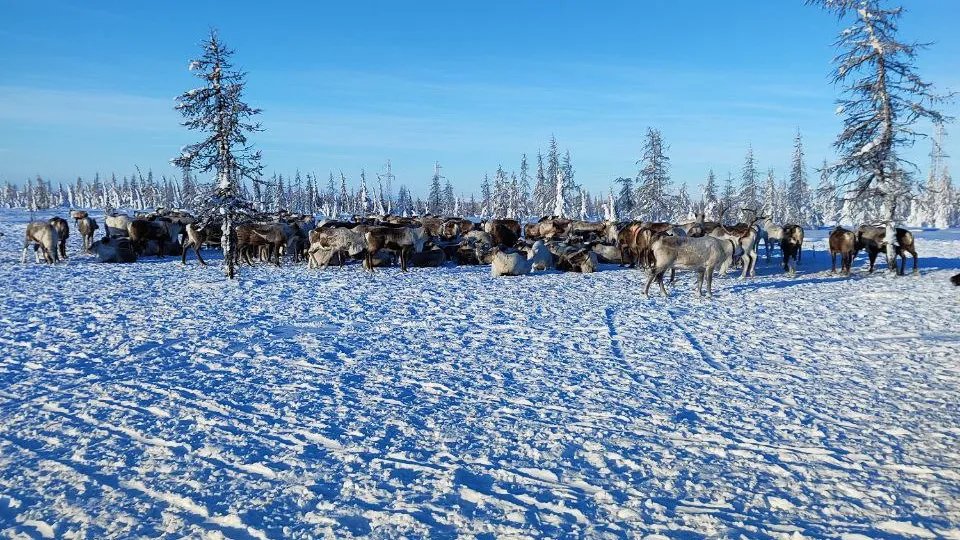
[702, 254]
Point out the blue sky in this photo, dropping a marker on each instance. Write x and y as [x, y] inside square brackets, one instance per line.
[89, 86]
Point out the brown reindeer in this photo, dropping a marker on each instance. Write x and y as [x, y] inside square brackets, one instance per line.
[873, 240]
[643, 238]
[505, 232]
[252, 236]
[63, 232]
[790, 246]
[142, 231]
[44, 238]
[87, 226]
[401, 241]
[196, 237]
[626, 241]
[844, 243]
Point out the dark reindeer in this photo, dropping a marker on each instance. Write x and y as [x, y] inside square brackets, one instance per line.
[844, 243]
[402, 241]
[87, 226]
[873, 240]
[63, 232]
[252, 236]
[790, 246]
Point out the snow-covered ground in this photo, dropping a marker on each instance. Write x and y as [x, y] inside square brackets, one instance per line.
[152, 400]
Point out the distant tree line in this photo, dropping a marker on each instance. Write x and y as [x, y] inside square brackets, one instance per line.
[524, 193]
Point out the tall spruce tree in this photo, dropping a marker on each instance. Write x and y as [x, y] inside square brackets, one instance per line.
[653, 200]
[748, 182]
[883, 99]
[218, 110]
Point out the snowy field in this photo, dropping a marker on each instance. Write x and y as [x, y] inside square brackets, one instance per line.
[152, 400]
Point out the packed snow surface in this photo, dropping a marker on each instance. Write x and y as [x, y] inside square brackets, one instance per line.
[155, 400]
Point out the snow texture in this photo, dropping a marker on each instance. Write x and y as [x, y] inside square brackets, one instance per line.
[155, 400]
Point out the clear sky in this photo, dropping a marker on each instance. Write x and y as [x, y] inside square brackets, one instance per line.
[88, 86]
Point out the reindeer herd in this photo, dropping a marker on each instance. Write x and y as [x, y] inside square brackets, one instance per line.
[509, 247]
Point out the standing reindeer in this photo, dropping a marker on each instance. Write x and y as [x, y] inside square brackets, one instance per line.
[63, 231]
[44, 238]
[843, 243]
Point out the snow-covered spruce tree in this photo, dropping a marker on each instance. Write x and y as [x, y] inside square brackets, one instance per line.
[748, 182]
[218, 110]
[541, 196]
[435, 197]
[501, 193]
[363, 203]
[523, 192]
[513, 206]
[652, 199]
[710, 198]
[343, 200]
[560, 201]
[798, 188]
[486, 202]
[625, 206]
[449, 198]
[553, 167]
[683, 206]
[572, 189]
[768, 195]
[728, 199]
[884, 99]
[826, 206]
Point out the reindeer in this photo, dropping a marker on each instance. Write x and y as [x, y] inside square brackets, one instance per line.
[540, 257]
[702, 254]
[43, 236]
[196, 237]
[626, 241]
[401, 241]
[505, 232]
[746, 237]
[428, 258]
[772, 234]
[114, 250]
[162, 231]
[573, 258]
[117, 224]
[509, 263]
[790, 246]
[329, 240]
[844, 243]
[873, 239]
[87, 226]
[63, 232]
[251, 235]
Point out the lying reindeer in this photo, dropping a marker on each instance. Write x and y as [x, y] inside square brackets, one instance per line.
[702, 254]
[114, 250]
[43, 236]
[509, 263]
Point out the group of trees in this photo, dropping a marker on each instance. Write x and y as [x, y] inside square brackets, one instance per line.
[648, 194]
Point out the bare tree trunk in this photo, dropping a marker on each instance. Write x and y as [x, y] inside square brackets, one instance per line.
[889, 211]
[227, 245]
